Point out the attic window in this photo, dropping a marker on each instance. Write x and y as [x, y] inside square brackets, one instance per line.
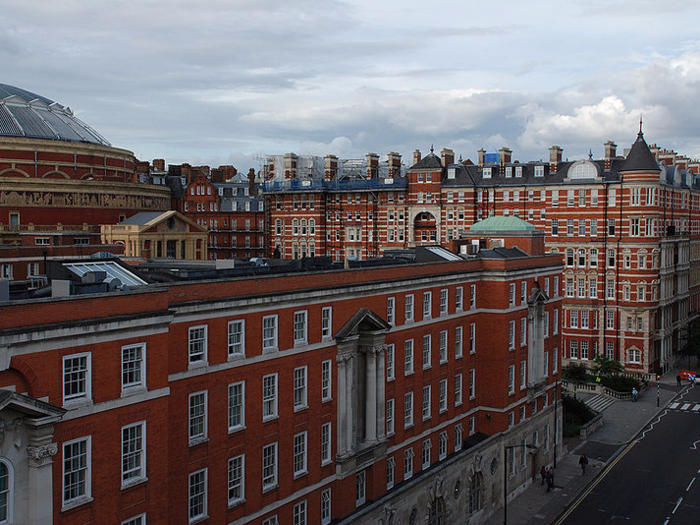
[509, 171]
[539, 171]
[451, 173]
[583, 170]
[487, 173]
[518, 171]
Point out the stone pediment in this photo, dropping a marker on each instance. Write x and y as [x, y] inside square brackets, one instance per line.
[32, 408]
[364, 320]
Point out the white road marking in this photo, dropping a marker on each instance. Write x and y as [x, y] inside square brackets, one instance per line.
[678, 503]
[673, 405]
[685, 406]
[690, 484]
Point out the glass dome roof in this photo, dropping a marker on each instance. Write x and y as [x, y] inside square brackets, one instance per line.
[26, 114]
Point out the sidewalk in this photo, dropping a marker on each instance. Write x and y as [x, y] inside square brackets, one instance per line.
[623, 420]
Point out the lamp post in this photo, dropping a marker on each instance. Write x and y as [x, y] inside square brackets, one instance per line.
[506, 448]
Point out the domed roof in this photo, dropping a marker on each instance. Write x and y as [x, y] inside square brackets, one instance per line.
[26, 114]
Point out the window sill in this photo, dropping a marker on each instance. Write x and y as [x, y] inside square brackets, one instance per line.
[76, 503]
[198, 519]
[273, 417]
[196, 365]
[326, 399]
[270, 350]
[239, 428]
[198, 441]
[301, 474]
[269, 488]
[236, 357]
[235, 502]
[133, 390]
[133, 482]
[300, 408]
[77, 402]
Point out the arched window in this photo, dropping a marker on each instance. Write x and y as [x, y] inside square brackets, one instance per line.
[437, 512]
[475, 493]
[5, 492]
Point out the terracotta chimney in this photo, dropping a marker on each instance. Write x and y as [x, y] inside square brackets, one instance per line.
[372, 165]
[481, 153]
[610, 153]
[506, 154]
[159, 164]
[447, 156]
[394, 162]
[416, 156]
[554, 158]
[290, 166]
[330, 163]
[251, 182]
[654, 151]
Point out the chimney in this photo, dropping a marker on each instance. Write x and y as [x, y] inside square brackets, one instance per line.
[251, 182]
[610, 153]
[554, 158]
[290, 166]
[394, 162]
[372, 165]
[416, 156]
[481, 153]
[654, 151]
[330, 167]
[506, 154]
[447, 156]
[159, 164]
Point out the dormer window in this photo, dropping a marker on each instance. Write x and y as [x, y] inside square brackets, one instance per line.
[518, 171]
[539, 171]
[487, 173]
[451, 173]
[509, 171]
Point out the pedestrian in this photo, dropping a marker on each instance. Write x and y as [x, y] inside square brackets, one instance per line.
[634, 394]
[550, 480]
[543, 473]
[583, 462]
[678, 380]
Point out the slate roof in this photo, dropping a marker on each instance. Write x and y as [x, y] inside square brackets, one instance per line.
[430, 161]
[640, 157]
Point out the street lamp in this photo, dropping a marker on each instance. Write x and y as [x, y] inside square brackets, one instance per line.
[506, 448]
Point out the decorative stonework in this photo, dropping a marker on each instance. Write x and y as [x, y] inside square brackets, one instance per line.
[38, 456]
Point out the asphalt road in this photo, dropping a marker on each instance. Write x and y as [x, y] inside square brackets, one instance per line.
[656, 480]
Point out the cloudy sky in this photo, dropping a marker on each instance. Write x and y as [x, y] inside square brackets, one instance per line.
[226, 81]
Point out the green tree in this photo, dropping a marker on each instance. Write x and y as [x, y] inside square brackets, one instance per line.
[691, 341]
[605, 367]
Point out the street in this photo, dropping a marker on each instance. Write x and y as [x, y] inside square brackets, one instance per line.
[656, 479]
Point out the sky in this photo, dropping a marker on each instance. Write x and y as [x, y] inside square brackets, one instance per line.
[229, 81]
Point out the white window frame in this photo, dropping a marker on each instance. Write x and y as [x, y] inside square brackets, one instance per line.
[197, 345]
[85, 393]
[269, 399]
[201, 514]
[326, 507]
[299, 455]
[443, 346]
[408, 357]
[133, 367]
[299, 513]
[390, 417]
[236, 480]
[300, 391]
[236, 406]
[269, 466]
[197, 419]
[408, 410]
[390, 362]
[133, 454]
[326, 380]
[444, 298]
[84, 479]
[458, 389]
[442, 396]
[408, 308]
[459, 342]
[326, 443]
[300, 328]
[269, 333]
[427, 350]
[426, 411]
[326, 322]
[236, 338]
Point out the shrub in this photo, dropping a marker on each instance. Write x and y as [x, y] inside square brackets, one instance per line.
[575, 372]
[576, 413]
[620, 383]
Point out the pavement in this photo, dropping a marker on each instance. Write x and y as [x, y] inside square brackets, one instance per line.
[623, 421]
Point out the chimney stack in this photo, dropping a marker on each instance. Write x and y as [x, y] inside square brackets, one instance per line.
[506, 155]
[610, 153]
[481, 153]
[554, 158]
[394, 162]
[251, 182]
[330, 165]
[416, 156]
[372, 160]
[290, 166]
[447, 156]
[159, 164]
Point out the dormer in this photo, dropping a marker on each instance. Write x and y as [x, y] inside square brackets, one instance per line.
[583, 170]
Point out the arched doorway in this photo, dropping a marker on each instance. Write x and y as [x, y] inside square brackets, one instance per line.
[425, 228]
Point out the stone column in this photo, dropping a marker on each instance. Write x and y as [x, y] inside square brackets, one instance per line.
[381, 395]
[40, 452]
[349, 412]
[342, 408]
[371, 396]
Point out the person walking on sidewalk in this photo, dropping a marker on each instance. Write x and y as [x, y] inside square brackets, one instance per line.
[678, 380]
[583, 462]
[634, 394]
[550, 479]
[543, 473]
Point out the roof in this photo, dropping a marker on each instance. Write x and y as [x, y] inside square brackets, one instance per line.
[501, 224]
[502, 253]
[430, 161]
[640, 157]
[142, 217]
[26, 114]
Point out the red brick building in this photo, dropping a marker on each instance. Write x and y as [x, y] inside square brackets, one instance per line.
[274, 400]
[625, 225]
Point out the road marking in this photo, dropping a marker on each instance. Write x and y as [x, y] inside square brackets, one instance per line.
[673, 405]
[667, 520]
[595, 483]
[695, 447]
[677, 505]
[690, 484]
[696, 408]
[685, 406]
[651, 427]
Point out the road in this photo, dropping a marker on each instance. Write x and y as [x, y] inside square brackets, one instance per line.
[656, 480]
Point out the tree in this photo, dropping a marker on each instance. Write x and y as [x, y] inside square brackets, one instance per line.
[607, 367]
[691, 340]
